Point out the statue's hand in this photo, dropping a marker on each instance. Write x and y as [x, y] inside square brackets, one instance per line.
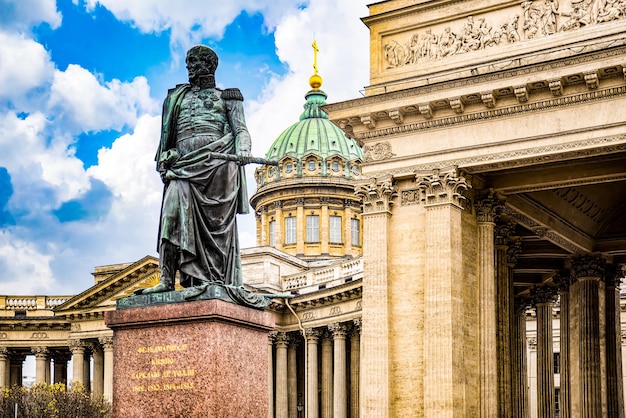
[244, 157]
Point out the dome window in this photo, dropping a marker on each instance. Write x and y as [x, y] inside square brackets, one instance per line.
[355, 170]
[335, 166]
[311, 165]
[271, 172]
[288, 168]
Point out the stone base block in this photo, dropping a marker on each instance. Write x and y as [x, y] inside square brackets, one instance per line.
[204, 358]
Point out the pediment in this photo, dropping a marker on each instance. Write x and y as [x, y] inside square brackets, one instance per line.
[102, 296]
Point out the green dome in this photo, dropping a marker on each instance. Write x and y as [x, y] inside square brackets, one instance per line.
[315, 135]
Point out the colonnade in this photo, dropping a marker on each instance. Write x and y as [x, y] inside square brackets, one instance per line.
[590, 375]
[315, 375]
[51, 364]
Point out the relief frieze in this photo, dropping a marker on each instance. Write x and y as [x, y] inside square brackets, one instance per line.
[531, 20]
[377, 152]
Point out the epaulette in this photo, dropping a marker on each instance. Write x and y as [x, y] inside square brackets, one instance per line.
[232, 94]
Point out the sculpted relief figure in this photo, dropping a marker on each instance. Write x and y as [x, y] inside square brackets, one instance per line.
[539, 18]
[204, 144]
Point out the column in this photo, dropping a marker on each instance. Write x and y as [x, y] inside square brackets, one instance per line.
[262, 229]
[98, 371]
[347, 227]
[87, 369]
[445, 382]
[355, 363]
[531, 370]
[311, 401]
[78, 361]
[280, 225]
[340, 399]
[327, 376]
[586, 274]
[324, 226]
[486, 212]
[41, 357]
[519, 388]
[282, 402]
[60, 368]
[107, 348]
[504, 304]
[377, 196]
[16, 365]
[300, 225]
[562, 280]
[615, 380]
[4, 367]
[543, 297]
[270, 378]
[292, 376]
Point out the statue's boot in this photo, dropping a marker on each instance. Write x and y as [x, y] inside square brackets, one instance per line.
[169, 257]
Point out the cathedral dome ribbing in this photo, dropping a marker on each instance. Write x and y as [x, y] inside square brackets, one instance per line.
[314, 146]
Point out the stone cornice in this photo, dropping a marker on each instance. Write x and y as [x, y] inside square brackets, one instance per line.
[523, 157]
[493, 113]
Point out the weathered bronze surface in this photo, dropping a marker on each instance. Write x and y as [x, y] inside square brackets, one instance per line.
[204, 145]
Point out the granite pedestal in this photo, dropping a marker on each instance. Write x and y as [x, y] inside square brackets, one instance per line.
[206, 358]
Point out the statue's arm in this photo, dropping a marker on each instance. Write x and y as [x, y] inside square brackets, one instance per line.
[237, 120]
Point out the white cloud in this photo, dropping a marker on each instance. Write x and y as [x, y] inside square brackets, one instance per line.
[36, 162]
[129, 170]
[24, 269]
[25, 64]
[192, 20]
[22, 14]
[81, 101]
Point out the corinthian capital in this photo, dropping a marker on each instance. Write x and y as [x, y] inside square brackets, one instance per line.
[588, 266]
[443, 187]
[376, 193]
[489, 205]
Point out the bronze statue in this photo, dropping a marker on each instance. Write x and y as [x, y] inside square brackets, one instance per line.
[204, 144]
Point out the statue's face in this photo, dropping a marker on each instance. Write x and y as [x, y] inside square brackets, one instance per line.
[197, 66]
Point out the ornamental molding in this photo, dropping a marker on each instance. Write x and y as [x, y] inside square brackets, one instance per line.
[532, 19]
[600, 52]
[548, 234]
[377, 194]
[377, 152]
[523, 157]
[491, 113]
[445, 187]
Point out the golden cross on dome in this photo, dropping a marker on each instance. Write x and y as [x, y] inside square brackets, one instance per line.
[315, 51]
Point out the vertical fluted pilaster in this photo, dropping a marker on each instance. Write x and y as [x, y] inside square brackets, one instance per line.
[586, 274]
[340, 400]
[504, 305]
[98, 370]
[4, 367]
[543, 299]
[377, 195]
[327, 376]
[292, 377]
[562, 280]
[270, 378]
[312, 404]
[282, 400]
[107, 347]
[615, 381]
[487, 208]
[355, 370]
[518, 349]
[444, 371]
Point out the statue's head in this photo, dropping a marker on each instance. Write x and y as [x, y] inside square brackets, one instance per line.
[201, 61]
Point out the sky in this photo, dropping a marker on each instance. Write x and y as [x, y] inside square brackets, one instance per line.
[81, 89]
